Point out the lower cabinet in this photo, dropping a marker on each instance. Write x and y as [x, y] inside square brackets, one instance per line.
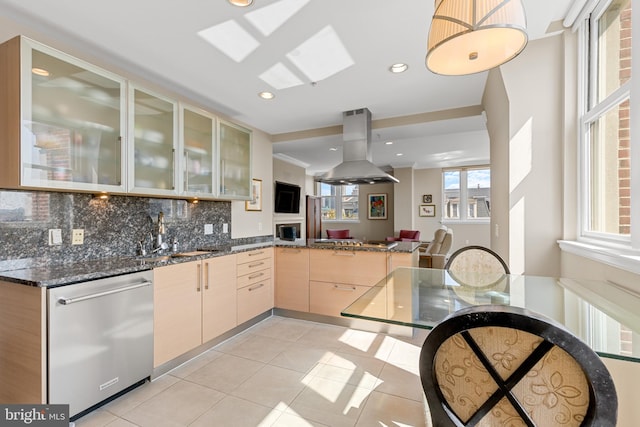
[331, 298]
[338, 277]
[193, 303]
[254, 283]
[292, 279]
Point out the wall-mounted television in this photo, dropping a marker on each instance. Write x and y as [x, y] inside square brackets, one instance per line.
[287, 198]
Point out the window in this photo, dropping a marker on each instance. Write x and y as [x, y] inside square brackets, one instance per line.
[467, 194]
[339, 202]
[605, 142]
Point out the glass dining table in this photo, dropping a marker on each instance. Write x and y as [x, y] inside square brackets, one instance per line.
[603, 314]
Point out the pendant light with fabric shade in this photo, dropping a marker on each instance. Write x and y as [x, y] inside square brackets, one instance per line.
[470, 36]
[241, 3]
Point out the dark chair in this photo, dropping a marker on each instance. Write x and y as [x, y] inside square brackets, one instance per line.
[339, 234]
[406, 236]
[503, 365]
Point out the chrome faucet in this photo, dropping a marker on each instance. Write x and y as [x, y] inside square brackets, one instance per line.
[160, 244]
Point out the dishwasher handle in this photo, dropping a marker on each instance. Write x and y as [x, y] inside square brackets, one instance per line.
[67, 301]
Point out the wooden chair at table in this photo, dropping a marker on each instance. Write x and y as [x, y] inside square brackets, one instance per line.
[476, 266]
[500, 365]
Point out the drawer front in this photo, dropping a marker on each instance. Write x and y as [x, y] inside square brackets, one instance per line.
[253, 266]
[331, 298]
[253, 277]
[253, 300]
[244, 257]
[344, 266]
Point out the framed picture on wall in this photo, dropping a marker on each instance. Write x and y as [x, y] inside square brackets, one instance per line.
[377, 206]
[427, 198]
[255, 204]
[427, 210]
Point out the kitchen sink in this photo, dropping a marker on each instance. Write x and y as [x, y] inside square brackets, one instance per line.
[191, 253]
[154, 259]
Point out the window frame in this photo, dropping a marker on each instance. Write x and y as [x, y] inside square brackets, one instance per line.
[338, 202]
[463, 205]
[590, 110]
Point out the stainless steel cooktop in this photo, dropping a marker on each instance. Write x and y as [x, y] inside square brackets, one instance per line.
[348, 243]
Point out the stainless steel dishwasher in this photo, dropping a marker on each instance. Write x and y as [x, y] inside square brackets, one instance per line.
[100, 339]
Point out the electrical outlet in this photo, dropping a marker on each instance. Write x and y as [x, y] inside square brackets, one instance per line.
[208, 229]
[225, 228]
[77, 236]
[55, 236]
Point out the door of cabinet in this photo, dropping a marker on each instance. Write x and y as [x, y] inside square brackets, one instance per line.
[254, 300]
[64, 121]
[330, 299]
[197, 136]
[177, 298]
[219, 296]
[347, 266]
[153, 129]
[234, 154]
[292, 279]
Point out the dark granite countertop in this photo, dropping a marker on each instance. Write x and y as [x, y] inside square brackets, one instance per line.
[70, 273]
[400, 247]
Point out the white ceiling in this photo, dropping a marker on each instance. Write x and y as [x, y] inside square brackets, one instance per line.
[160, 41]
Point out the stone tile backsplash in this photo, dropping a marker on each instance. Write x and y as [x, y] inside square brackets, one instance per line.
[112, 227]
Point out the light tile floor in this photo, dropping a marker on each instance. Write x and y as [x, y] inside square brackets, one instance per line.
[282, 372]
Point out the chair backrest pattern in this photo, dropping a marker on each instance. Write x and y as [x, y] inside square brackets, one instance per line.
[476, 266]
[532, 372]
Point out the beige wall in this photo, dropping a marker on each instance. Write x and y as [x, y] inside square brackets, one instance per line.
[404, 205]
[533, 83]
[256, 223]
[496, 104]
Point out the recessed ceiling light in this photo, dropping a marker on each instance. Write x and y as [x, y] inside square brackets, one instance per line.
[266, 95]
[40, 72]
[388, 143]
[333, 149]
[398, 68]
[399, 154]
[241, 3]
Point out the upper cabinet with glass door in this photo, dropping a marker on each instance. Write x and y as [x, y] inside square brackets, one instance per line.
[63, 125]
[152, 143]
[234, 154]
[198, 151]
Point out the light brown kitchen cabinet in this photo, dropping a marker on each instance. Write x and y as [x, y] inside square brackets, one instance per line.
[194, 302]
[62, 121]
[292, 278]
[23, 344]
[338, 277]
[254, 283]
[219, 297]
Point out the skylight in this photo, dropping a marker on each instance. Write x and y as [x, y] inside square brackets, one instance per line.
[231, 39]
[321, 56]
[280, 77]
[271, 17]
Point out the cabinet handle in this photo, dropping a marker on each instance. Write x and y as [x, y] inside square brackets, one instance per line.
[186, 170]
[253, 288]
[173, 174]
[344, 288]
[255, 253]
[198, 284]
[257, 264]
[119, 163]
[344, 253]
[291, 251]
[206, 275]
[256, 275]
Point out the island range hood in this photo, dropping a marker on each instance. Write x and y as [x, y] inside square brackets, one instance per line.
[356, 166]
